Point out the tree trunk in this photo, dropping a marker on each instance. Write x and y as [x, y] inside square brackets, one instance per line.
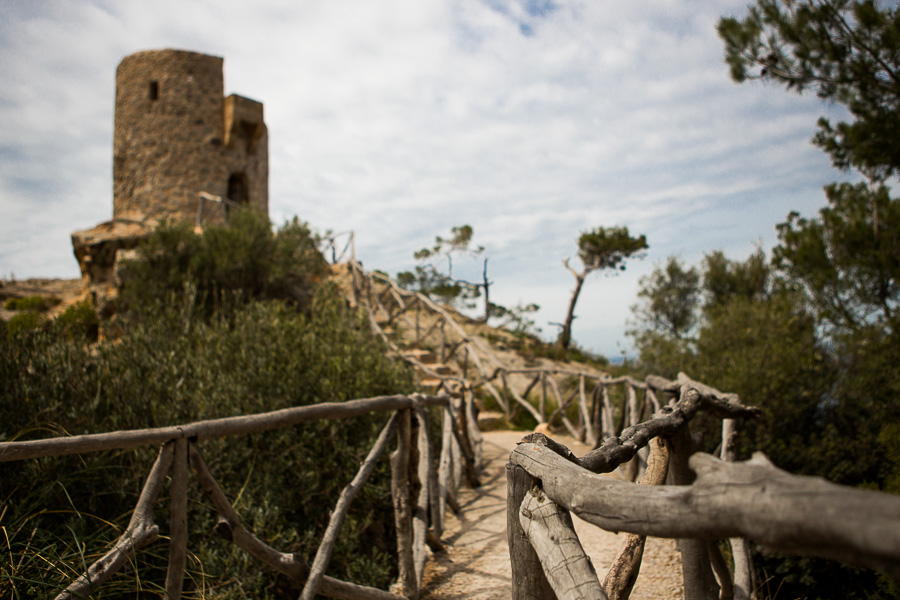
[487, 292]
[565, 336]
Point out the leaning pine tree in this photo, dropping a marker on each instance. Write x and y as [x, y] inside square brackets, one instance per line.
[600, 248]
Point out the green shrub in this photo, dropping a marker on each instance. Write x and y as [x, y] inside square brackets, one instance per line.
[78, 321]
[24, 321]
[33, 303]
[237, 262]
[189, 353]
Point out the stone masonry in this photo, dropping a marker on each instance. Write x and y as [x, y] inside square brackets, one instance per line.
[176, 137]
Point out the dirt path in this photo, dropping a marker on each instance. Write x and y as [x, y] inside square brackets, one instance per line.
[475, 564]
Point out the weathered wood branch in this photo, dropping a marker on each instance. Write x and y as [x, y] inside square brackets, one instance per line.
[475, 437]
[214, 428]
[623, 572]
[231, 527]
[140, 531]
[561, 407]
[718, 403]
[752, 499]
[323, 554]
[418, 474]
[743, 568]
[619, 450]
[461, 433]
[720, 569]
[563, 560]
[435, 520]
[529, 582]
[607, 421]
[740, 548]
[178, 521]
[584, 410]
[402, 506]
[294, 566]
[696, 570]
[445, 474]
[520, 399]
[554, 387]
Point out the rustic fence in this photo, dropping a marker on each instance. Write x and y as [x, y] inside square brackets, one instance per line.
[727, 500]
[474, 365]
[422, 488]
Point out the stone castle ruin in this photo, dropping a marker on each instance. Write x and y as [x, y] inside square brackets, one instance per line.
[177, 135]
[182, 151]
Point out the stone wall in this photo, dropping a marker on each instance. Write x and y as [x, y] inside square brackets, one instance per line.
[176, 135]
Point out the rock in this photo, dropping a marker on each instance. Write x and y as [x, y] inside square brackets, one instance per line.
[99, 251]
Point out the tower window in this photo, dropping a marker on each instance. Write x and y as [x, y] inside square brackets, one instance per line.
[154, 90]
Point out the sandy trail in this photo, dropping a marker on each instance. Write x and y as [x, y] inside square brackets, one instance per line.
[476, 561]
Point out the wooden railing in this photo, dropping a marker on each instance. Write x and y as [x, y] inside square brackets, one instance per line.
[477, 366]
[422, 488]
[727, 500]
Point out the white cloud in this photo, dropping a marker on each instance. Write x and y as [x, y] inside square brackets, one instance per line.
[531, 121]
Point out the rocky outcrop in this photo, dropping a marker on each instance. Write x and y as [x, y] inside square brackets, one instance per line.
[100, 251]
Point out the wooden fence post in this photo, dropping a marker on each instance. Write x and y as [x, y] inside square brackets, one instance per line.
[420, 459]
[178, 521]
[584, 408]
[543, 401]
[528, 580]
[140, 532]
[699, 581]
[740, 547]
[624, 570]
[400, 490]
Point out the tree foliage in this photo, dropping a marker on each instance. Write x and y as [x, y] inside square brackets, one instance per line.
[847, 52]
[238, 262]
[669, 298]
[848, 259]
[434, 277]
[179, 358]
[608, 248]
[601, 248]
[828, 401]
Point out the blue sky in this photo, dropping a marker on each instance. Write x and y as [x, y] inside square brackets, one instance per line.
[529, 120]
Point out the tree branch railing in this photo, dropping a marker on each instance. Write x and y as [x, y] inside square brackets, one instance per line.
[587, 390]
[421, 488]
[648, 438]
[728, 500]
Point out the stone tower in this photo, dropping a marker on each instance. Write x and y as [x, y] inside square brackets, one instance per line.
[176, 135]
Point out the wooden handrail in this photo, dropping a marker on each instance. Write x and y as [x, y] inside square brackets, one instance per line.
[210, 429]
[746, 500]
[178, 450]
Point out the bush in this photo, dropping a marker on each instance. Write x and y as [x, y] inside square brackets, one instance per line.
[237, 262]
[78, 321]
[185, 356]
[34, 303]
[23, 322]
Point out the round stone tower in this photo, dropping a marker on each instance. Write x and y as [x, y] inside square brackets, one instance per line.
[176, 136]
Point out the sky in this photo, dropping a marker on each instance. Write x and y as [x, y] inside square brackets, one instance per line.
[530, 120]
